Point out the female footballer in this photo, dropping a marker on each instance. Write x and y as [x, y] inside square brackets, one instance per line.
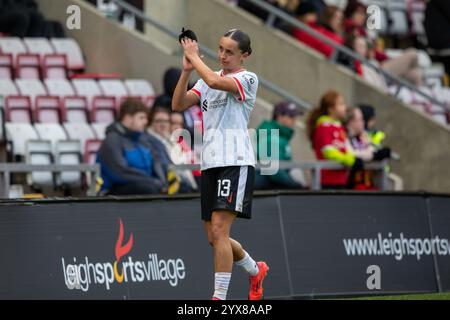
[228, 163]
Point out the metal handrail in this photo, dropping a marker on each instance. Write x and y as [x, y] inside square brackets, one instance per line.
[275, 12]
[212, 54]
[314, 166]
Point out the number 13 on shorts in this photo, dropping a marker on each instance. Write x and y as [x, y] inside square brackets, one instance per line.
[223, 188]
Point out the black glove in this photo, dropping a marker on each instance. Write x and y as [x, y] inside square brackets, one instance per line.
[187, 34]
[382, 154]
[358, 165]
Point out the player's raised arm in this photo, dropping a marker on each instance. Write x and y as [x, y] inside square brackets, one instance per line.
[183, 99]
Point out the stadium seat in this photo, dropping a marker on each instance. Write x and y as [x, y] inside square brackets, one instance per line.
[100, 130]
[28, 66]
[52, 132]
[39, 152]
[87, 88]
[31, 88]
[68, 153]
[141, 88]
[75, 110]
[444, 94]
[40, 46]
[18, 109]
[59, 87]
[8, 88]
[90, 151]
[54, 66]
[13, 46]
[72, 50]
[47, 109]
[114, 88]
[18, 134]
[79, 131]
[103, 110]
[6, 66]
[433, 75]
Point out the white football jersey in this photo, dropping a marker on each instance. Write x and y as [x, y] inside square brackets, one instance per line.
[226, 141]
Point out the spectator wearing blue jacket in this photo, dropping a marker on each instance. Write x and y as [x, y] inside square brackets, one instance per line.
[128, 159]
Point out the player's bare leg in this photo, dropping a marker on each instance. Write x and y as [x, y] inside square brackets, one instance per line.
[236, 247]
[218, 231]
[257, 271]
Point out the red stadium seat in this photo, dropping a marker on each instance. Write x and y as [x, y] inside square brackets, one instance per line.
[47, 109]
[18, 109]
[103, 109]
[91, 148]
[79, 131]
[6, 66]
[70, 48]
[115, 88]
[59, 87]
[75, 110]
[142, 88]
[87, 88]
[8, 88]
[12, 45]
[27, 66]
[54, 66]
[31, 88]
[39, 46]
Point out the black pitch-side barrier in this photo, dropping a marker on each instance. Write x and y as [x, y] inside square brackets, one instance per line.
[316, 244]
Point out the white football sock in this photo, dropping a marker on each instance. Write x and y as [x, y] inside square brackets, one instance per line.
[221, 282]
[248, 264]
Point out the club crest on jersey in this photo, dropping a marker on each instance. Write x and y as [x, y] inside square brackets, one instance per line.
[250, 81]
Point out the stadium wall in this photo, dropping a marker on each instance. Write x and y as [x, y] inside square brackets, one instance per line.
[316, 244]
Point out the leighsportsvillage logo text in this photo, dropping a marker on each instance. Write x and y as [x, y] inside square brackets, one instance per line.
[82, 274]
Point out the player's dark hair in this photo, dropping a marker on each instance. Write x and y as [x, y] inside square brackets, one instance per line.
[243, 40]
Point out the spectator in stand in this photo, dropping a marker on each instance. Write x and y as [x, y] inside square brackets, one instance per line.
[332, 19]
[376, 136]
[192, 116]
[21, 18]
[177, 123]
[13, 21]
[159, 128]
[360, 46]
[308, 14]
[127, 160]
[355, 18]
[363, 148]
[405, 66]
[288, 6]
[329, 140]
[283, 120]
[360, 142]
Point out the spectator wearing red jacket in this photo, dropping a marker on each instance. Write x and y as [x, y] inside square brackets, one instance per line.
[329, 139]
[177, 123]
[307, 13]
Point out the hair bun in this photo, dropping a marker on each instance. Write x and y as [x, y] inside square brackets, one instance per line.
[187, 34]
